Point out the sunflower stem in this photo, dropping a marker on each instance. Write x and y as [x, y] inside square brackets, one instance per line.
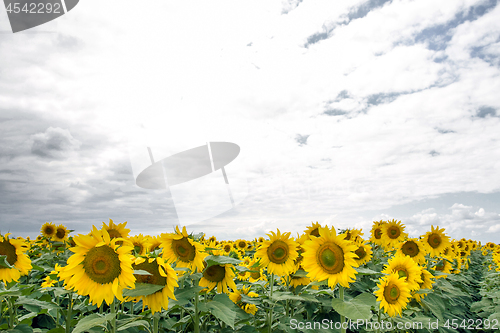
[113, 320]
[196, 314]
[156, 319]
[69, 314]
[271, 310]
[287, 280]
[342, 318]
[10, 303]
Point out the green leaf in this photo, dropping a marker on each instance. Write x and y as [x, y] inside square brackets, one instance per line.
[141, 272]
[133, 324]
[59, 329]
[4, 262]
[221, 260]
[92, 321]
[37, 303]
[435, 305]
[142, 289]
[184, 295]
[224, 309]
[21, 329]
[300, 273]
[366, 271]
[357, 308]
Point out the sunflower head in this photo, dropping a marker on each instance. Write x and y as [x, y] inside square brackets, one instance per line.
[182, 249]
[392, 233]
[412, 248]
[376, 232]
[313, 229]
[14, 251]
[393, 294]
[60, 234]
[330, 257]
[161, 274]
[116, 231]
[220, 276]
[99, 267]
[48, 229]
[405, 267]
[436, 241]
[278, 253]
[363, 253]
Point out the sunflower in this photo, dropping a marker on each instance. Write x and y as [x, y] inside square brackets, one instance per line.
[140, 243]
[236, 298]
[427, 282]
[330, 257]
[278, 253]
[393, 294]
[405, 267]
[297, 279]
[162, 274]
[261, 239]
[353, 235]
[99, 267]
[363, 253]
[436, 241]
[443, 266]
[227, 247]
[313, 229]
[116, 231]
[412, 248]
[180, 248]
[51, 279]
[241, 244]
[48, 229]
[154, 243]
[60, 234]
[392, 233]
[20, 263]
[376, 232]
[220, 276]
[256, 271]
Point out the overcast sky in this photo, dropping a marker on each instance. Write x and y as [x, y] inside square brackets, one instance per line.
[346, 112]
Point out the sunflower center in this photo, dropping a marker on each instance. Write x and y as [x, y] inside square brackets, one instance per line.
[402, 272]
[242, 245]
[434, 240]
[227, 248]
[439, 266]
[348, 235]
[391, 293]
[410, 248]
[183, 249]
[330, 256]
[138, 248]
[255, 275]
[49, 230]
[393, 232]
[278, 252]
[360, 252]
[9, 250]
[215, 273]
[113, 233]
[152, 268]
[60, 233]
[377, 233]
[315, 232]
[102, 264]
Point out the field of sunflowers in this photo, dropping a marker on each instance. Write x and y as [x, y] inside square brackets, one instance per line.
[323, 280]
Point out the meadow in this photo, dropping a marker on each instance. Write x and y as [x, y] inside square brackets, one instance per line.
[322, 280]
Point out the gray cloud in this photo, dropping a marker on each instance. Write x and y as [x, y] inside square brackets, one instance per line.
[486, 111]
[54, 143]
[436, 37]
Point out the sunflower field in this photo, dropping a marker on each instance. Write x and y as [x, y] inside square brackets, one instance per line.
[323, 280]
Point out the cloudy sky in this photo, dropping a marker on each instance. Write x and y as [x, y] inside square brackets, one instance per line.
[345, 112]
